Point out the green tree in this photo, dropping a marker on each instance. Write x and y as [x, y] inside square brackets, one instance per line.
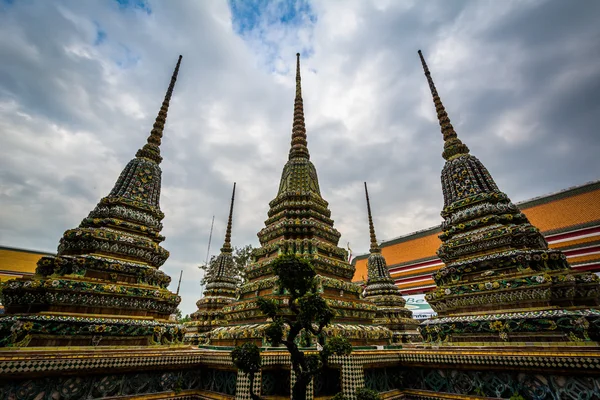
[180, 318]
[242, 257]
[361, 394]
[367, 394]
[310, 314]
[247, 359]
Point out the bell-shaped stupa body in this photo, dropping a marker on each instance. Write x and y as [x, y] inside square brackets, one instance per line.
[104, 286]
[299, 222]
[500, 281]
[381, 290]
[221, 289]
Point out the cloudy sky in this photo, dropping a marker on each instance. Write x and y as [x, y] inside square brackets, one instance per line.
[82, 81]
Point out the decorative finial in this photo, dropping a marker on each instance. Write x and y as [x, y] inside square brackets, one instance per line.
[151, 150]
[227, 245]
[453, 147]
[299, 145]
[374, 246]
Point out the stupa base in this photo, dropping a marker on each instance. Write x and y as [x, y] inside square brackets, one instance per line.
[358, 335]
[525, 327]
[54, 330]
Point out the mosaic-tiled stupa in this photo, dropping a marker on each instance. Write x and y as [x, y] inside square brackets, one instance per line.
[381, 290]
[299, 222]
[104, 286]
[500, 281]
[221, 286]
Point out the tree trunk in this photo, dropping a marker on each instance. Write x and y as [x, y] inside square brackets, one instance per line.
[299, 389]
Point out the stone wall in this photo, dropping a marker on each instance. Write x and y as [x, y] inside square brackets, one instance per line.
[185, 373]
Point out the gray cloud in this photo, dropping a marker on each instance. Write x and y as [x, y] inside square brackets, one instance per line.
[519, 80]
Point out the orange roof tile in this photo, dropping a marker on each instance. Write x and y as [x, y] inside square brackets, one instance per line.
[565, 212]
[360, 274]
[571, 207]
[19, 260]
[416, 249]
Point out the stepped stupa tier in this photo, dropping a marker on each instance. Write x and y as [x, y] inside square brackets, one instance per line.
[299, 222]
[381, 290]
[500, 281]
[103, 287]
[221, 289]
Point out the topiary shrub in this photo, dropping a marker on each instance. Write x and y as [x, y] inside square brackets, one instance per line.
[367, 394]
[311, 314]
[247, 359]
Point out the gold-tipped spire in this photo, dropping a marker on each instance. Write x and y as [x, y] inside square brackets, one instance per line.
[453, 147]
[151, 150]
[374, 246]
[299, 145]
[227, 245]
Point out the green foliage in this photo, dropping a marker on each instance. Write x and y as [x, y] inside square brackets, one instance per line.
[180, 319]
[517, 396]
[313, 308]
[274, 332]
[246, 358]
[339, 396]
[314, 362]
[268, 307]
[367, 394]
[296, 275]
[178, 386]
[242, 257]
[337, 345]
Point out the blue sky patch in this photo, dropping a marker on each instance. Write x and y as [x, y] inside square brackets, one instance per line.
[135, 4]
[247, 15]
[128, 58]
[100, 35]
[256, 20]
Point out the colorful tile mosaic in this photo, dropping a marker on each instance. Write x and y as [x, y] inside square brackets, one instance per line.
[497, 262]
[103, 287]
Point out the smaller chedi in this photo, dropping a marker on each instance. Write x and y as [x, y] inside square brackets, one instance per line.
[104, 286]
[381, 290]
[500, 282]
[221, 287]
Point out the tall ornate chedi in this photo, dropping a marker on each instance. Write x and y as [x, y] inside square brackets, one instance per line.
[381, 290]
[299, 222]
[221, 286]
[104, 286]
[500, 281]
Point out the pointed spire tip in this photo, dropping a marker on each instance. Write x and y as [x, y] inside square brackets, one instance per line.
[227, 245]
[151, 149]
[453, 147]
[299, 145]
[374, 246]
